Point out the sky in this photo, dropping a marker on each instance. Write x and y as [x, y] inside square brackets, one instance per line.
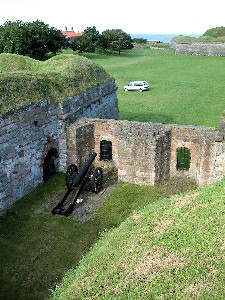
[145, 16]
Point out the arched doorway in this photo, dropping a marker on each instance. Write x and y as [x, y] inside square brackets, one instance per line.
[50, 163]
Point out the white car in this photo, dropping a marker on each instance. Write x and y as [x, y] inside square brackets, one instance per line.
[136, 86]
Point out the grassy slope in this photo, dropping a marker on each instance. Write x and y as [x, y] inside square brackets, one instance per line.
[171, 249]
[184, 89]
[37, 248]
[215, 32]
[26, 81]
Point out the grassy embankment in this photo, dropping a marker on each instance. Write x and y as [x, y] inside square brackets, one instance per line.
[171, 249]
[213, 35]
[25, 81]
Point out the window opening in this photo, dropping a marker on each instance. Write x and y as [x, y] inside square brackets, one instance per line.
[50, 164]
[183, 158]
[105, 150]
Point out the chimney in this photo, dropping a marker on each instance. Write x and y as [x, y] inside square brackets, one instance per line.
[65, 28]
[71, 28]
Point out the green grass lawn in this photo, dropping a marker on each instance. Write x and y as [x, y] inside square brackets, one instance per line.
[171, 249]
[185, 89]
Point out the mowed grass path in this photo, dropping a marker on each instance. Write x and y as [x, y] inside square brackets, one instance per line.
[185, 89]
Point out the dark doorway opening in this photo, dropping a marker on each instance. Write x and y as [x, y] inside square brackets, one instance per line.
[50, 164]
[105, 150]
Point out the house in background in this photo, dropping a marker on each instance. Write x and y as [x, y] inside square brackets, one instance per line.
[70, 35]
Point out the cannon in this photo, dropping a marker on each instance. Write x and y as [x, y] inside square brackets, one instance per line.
[75, 179]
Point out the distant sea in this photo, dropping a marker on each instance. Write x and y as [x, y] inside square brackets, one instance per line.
[164, 38]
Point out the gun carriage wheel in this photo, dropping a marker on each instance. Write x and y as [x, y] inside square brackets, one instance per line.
[97, 180]
[78, 181]
[71, 173]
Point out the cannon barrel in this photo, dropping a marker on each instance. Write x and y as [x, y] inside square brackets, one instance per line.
[83, 172]
[79, 181]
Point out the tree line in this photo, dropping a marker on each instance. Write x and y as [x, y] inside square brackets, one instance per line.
[110, 39]
[36, 39]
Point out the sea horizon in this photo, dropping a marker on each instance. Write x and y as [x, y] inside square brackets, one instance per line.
[161, 37]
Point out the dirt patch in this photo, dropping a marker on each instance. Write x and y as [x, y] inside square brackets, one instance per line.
[197, 287]
[88, 202]
[155, 259]
[184, 201]
[162, 227]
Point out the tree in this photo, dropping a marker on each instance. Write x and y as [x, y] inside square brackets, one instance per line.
[33, 39]
[139, 40]
[83, 44]
[93, 34]
[88, 41]
[102, 43]
[56, 40]
[13, 38]
[117, 40]
[37, 39]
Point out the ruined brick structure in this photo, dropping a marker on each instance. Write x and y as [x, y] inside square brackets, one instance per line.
[146, 153]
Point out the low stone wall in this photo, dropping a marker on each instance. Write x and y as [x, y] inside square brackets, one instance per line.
[201, 48]
[146, 153]
[28, 134]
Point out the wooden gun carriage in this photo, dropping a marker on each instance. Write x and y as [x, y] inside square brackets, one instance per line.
[78, 181]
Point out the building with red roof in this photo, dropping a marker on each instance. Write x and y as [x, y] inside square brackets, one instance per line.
[70, 35]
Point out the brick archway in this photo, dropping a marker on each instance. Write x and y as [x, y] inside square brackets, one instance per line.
[49, 158]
